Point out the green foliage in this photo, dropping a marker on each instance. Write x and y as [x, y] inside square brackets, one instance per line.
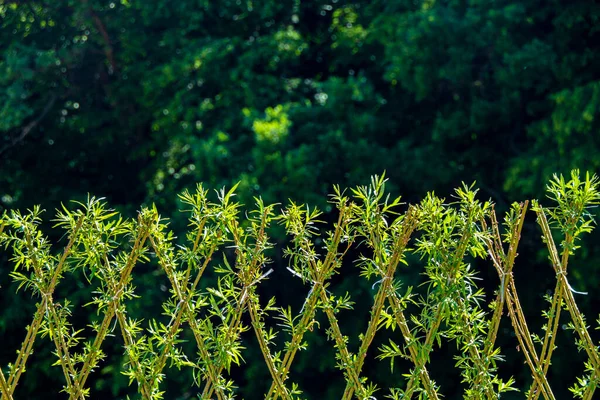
[230, 251]
[137, 101]
[106, 95]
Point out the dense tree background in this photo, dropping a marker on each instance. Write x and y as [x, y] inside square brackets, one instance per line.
[137, 100]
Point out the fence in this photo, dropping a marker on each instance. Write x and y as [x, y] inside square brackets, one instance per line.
[108, 248]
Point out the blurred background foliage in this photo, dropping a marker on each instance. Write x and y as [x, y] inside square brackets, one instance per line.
[137, 100]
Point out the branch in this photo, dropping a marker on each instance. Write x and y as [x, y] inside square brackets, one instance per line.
[108, 50]
[30, 126]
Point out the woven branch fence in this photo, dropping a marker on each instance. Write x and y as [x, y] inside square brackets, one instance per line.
[232, 246]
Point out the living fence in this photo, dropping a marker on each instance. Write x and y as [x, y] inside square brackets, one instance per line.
[233, 246]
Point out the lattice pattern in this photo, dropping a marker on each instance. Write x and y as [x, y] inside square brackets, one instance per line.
[108, 248]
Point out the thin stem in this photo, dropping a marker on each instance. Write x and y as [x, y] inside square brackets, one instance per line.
[563, 285]
[408, 225]
[311, 303]
[4, 386]
[264, 348]
[116, 289]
